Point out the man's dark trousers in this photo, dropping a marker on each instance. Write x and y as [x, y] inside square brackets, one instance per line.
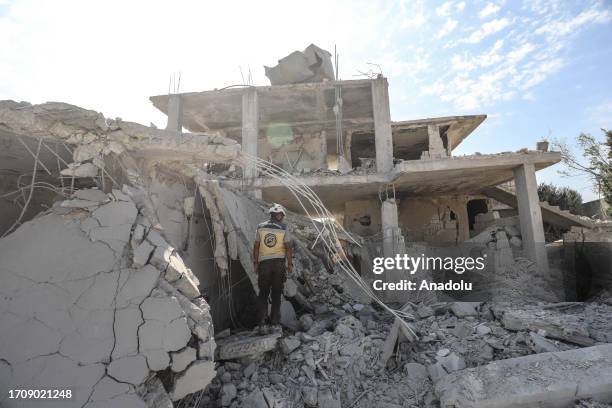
[271, 276]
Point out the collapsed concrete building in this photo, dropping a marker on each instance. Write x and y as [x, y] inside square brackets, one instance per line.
[127, 273]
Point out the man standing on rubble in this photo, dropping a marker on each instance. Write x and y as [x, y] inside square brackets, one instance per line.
[272, 247]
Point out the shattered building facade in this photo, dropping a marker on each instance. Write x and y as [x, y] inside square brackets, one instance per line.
[127, 275]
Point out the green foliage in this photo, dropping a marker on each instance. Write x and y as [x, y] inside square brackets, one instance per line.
[606, 185]
[564, 197]
[596, 162]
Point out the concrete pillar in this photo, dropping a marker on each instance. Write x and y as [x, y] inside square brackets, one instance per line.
[348, 139]
[175, 113]
[530, 216]
[393, 244]
[390, 225]
[436, 146]
[382, 125]
[323, 151]
[250, 129]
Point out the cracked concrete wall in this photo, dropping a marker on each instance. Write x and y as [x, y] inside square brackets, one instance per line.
[421, 219]
[363, 217]
[305, 152]
[96, 300]
[429, 219]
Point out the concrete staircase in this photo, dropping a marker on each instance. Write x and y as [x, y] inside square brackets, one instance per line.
[551, 214]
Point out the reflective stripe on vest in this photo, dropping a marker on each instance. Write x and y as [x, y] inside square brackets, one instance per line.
[271, 243]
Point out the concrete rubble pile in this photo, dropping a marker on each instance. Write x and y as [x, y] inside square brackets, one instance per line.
[509, 275]
[93, 296]
[336, 358]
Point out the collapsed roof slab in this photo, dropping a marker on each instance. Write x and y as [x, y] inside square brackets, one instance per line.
[456, 175]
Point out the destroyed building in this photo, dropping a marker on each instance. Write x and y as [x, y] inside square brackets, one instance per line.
[127, 275]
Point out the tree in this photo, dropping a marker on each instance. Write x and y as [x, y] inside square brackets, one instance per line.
[596, 162]
[564, 197]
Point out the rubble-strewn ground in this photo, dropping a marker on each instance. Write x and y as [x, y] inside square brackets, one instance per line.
[335, 359]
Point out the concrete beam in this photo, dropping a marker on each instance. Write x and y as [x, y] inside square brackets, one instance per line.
[175, 113]
[530, 216]
[250, 128]
[553, 379]
[383, 137]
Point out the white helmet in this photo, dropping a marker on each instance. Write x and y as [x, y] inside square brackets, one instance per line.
[277, 208]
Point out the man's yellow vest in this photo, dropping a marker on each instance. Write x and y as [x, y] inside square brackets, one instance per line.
[271, 242]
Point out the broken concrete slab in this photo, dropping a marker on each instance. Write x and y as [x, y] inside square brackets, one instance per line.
[544, 380]
[181, 359]
[142, 254]
[540, 344]
[464, 309]
[116, 213]
[116, 237]
[132, 369]
[91, 194]
[233, 348]
[288, 344]
[187, 284]
[191, 380]
[555, 325]
[161, 257]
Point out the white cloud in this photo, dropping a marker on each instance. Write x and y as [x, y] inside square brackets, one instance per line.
[537, 74]
[520, 53]
[460, 6]
[487, 29]
[489, 10]
[417, 21]
[447, 28]
[561, 28]
[444, 9]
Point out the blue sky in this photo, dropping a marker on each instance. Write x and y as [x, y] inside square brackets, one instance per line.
[535, 67]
